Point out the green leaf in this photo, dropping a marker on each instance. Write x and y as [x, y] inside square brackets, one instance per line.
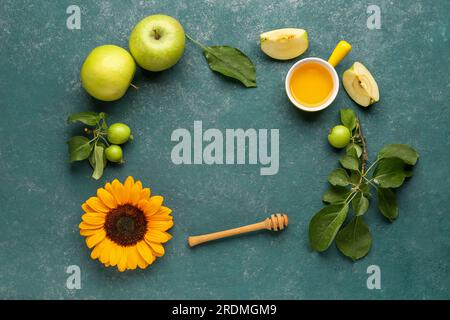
[99, 161]
[354, 240]
[88, 118]
[92, 156]
[348, 118]
[355, 177]
[79, 148]
[353, 150]
[336, 195]
[408, 171]
[401, 151]
[349, 162]
[325, 224]
[360, 204]
[103, 125]
[387, 203]
[339, 177]
[389, 173]
[365, 188]
[231, 62]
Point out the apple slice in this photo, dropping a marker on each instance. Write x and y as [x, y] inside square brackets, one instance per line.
[284, 44]
[360, 85]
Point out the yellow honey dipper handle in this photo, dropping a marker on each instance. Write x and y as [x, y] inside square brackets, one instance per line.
[339, 53]
[275, 222]
[195, 240]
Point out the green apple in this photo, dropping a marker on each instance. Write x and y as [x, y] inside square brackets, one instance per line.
[114, 153]
[284, 44]
[118, 133]
[157, 42]
[360, 85]
[339, 136]
[107, 72]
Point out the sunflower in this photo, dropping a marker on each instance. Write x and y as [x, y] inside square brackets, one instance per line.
[124, 226]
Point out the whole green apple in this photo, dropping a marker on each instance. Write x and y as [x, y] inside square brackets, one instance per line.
[107, 72]
[157, 42]
[339, 136]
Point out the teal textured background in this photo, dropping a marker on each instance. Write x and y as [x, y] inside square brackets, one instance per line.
[41, 193]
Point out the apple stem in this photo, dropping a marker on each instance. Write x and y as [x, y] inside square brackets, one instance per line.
[134, 86]
[157, 35]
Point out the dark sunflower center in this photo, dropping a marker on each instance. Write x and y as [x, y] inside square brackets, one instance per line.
[126, 225]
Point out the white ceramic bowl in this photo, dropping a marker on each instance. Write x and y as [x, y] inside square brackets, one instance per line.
[334, 76]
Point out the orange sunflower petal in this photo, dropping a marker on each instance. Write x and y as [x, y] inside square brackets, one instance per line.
[97, 205]
[107, 198]
[160, 225]
[122, 264]
[131, 257]
[94, 218]
[118, 192]
[140, 261]
[108, 187]
[115, 255]
[164, 211]
[86, 226]
[157, 249]
[91, 241]
[86, 208]
[145, 194]
[145, 251]
[157, 217]
[135, 193]
[104, 256]
[143, 205]
[95, 214]
[162, 214]
[96, 252]
[155, 203]
[129, 182]
[157, 236]
[88, 232]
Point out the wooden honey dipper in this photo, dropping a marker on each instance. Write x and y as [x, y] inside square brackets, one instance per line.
[275, 222]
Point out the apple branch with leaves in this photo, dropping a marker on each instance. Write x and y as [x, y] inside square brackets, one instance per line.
[93, 149]
[352, 184]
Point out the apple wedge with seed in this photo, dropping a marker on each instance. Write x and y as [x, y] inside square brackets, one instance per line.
[284, 44]
[360, 85]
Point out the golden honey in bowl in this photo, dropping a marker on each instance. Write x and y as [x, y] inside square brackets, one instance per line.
[311, 84]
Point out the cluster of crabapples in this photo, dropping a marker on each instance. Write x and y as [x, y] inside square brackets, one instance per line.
[117, 134]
